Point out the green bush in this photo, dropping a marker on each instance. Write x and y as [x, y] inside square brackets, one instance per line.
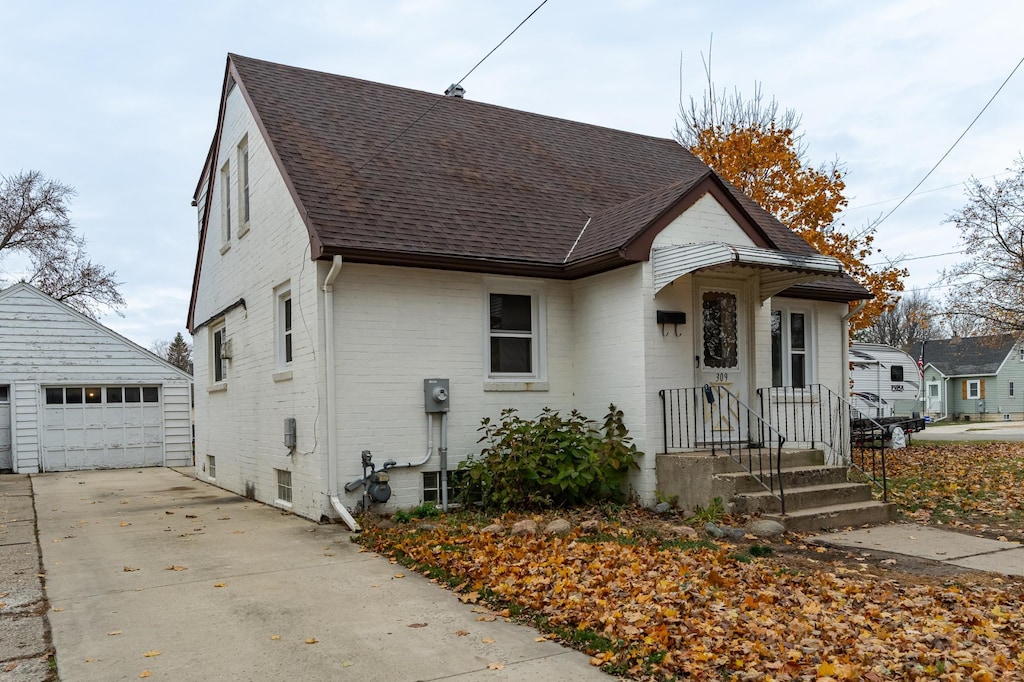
[551, 461]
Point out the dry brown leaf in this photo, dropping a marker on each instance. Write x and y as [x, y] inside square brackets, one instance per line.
[220, 584]
[275, 637]
[145, 673]
[312, 640]
[487, 640]
[399, 575]
[124, 524]
[129, 569]
[58, 608]
[417, 625]
[152, 653]
[114, 632]
[176, 568]
[462, 633]
[11, 666]
[495, 666]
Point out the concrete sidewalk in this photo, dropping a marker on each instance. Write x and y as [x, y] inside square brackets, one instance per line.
[151, 570]
[937, 544]
[24, 632]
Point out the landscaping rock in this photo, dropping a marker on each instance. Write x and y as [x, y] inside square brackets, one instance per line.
[525, 527]
[684, 532]
[733, 533]
[495, 528]
[766, 528]
[662, 508]
[426, 526]
[590, 526]
[713, 530]
[559, 527]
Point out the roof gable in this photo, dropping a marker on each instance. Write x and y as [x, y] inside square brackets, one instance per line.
[22, 296]
[969, 356]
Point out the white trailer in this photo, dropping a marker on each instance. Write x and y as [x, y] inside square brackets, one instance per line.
[886, 381]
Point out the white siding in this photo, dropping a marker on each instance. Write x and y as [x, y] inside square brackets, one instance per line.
[705, 221]
[25, 420]
[43, 342]
[242, 425]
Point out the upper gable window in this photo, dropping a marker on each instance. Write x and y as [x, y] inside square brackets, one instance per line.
[284, 328]
[243, 186]
[225, 199]
[220, 352]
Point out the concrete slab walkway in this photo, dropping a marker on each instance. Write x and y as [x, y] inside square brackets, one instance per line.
[937, 544]
[151, 570]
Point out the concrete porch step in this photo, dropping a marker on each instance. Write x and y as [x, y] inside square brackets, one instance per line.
[724, 463]
[802, 497]
[792, 477]
[866, 513]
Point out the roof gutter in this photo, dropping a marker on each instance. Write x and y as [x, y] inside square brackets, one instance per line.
[331, 411]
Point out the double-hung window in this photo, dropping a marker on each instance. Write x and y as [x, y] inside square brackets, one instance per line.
[791, 348]
[514, 348]
[219, 354]
[284, 315]
[243, 186]
[225, 199]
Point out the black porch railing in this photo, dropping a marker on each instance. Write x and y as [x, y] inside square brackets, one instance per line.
[816, 416]
[712, 418]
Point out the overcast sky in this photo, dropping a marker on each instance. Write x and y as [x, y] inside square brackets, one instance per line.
[119, 99]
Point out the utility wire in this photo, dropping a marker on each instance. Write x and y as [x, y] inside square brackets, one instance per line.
[857, 207]
[911, 192]
[897, 261]
[419, 118]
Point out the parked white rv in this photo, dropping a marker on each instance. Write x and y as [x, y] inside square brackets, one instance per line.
[886, 381]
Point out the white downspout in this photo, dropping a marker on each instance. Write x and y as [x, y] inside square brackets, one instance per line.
[332, 407]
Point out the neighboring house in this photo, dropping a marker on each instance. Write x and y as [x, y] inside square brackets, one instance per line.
[975, 378]
[886, 381]
[76, 395]
[357, 239]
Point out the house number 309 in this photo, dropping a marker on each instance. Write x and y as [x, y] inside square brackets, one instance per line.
[722, 376]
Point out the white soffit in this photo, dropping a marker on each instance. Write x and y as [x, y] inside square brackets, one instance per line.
[779, 270]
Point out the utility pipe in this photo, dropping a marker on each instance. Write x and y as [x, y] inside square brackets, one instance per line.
[845, 324]
[332, 407]
[443, 454]
[430, 445]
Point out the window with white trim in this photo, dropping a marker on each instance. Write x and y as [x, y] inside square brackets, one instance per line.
[1020, 353]
[211, 466]
[243, 186]
[219, 352]
[284, 486]
[515, 333]
[225, 201]
[973, 389]
[791, 348]
[1011, 389]
[284, 328]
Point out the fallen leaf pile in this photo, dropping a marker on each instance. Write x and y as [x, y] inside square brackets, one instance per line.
[652, 611]
[971, 482]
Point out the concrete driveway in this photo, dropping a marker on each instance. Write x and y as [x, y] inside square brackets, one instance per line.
[151, 570]
[972, 431]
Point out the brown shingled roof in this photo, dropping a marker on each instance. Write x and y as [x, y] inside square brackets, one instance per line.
[391, 175]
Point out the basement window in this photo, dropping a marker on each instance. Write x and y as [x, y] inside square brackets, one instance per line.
[284, 486]
[432, 486]
[211, 466]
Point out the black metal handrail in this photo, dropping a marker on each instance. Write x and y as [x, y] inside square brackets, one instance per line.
[815, 415]
[712, 418]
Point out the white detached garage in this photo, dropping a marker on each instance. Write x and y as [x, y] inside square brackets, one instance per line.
[76, 395]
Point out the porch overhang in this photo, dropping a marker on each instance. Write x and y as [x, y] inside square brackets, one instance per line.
[778, 270]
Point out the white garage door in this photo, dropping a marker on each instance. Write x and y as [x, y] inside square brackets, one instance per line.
[6, 461]
[102, 427]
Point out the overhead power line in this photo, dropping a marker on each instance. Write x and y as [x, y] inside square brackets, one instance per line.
[897, 261]
[953, 146]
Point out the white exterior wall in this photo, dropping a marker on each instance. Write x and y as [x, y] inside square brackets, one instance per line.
[45, 343]
[241, 421]
[396, 327]
[609, 356]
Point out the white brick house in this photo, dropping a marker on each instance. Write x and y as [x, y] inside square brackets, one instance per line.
[344, 259]
[76, 395]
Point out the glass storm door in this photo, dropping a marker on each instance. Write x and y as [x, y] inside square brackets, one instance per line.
[721, 358]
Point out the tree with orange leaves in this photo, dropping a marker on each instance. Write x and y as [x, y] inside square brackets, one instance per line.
[758, 149]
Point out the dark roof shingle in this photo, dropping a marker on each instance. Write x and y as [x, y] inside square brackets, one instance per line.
[969, 356]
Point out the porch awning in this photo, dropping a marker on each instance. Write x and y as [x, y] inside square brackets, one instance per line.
[779, 270]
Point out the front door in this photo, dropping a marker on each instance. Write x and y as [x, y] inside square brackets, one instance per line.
[934, 405]
[722, 357]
